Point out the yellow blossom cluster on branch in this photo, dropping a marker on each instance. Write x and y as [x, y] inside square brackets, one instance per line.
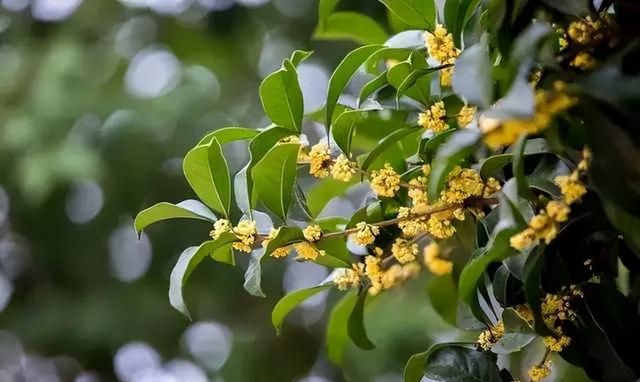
[278, 252]
[540, 372]
[466, 115]
[321, 164]
[385, 182]
[490, 336]
[245, 231]
[434, 118]
[441, 47]
[434, 260]
[548, 104]
[545, 225]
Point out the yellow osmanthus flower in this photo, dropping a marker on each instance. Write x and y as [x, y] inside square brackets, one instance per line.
[587, 31]
[462, 184]
[350, 278]
[446, 75]
[434, 118]
[343, 169]
[312, 233]
[491, 186]
[583, 61]
[558, 211]
[557, 308]
[571, 187]
[426, 169]
[366, 233]
[465, 115]
[219, 227]
[404, 250]
[525, 312]
[490, 336]
[440, 44]
[307, 251]
[539, 372]
[410, 226]
[385, 182]
[417, 190]
[373, 270]
[433, 260]
[278, 252]
[397, 274]
[556, 344]
[245, 231]
[319, 160]
[548, 104]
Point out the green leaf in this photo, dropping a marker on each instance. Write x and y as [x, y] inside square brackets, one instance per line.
[417, 14]
[429, 146]
[415, 366]
[352, 26]
[386, 143]
[286, 236]
[207, 172]
[472, 79]
[192, 209]
[625, 222]
[323, 192]
[337, 327]
[291, 301]
[407, 80]
[253, 274]
[518, 167]
[336, 253]
[411, 39]
[443, 292]
[527, 43]
[244, 187]
[282, 98]
[455, 364]
[343, 74]
[228, 134]
[355, 327]
[274, 177]
[460, 145]
[377, 83]
[344, 127]
[456, 15]
[188, 261]
[518, 333]
[494, 163]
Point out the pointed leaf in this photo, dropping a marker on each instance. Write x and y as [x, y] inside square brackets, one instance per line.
[282, 98]
[229, 134]
[192, 209]
[353, 26]
[188, 261]
[472, 79]
[417, 14]
[274, 177]
[291, 301]
[355, 328]
[207, 172]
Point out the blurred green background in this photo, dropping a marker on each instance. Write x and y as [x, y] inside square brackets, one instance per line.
[99, 100]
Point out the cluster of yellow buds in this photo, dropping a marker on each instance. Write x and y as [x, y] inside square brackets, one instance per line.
[434, 260]
[404, 250]
[380, 279]
[548, 104]
[556, 344]
[385, 182]
[312, 233]
[434, 118]
[321, 164]
[587, 34]
[490, 336]
[540, 372]
[245, 231]
[441, 47]
[308, 251]
[545, 225]
[556, 308]
[466, 115]
[366, 233]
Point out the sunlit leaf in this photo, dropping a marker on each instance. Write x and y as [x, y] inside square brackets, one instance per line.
[274, 177]
[291, 301]
[191, 209]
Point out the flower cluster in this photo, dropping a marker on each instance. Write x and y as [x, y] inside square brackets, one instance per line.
[540, 372]
[404, 250]
[321, 164]
[434, 260]
[434, 118]
[545, 225]
[587, 34]
[373, 270]
[548, 104]
[245, 232]
[466, 115]
[366, 233]
[385, 182]
[441, 47]
[312, 233]
[308, 251]
[490, 336]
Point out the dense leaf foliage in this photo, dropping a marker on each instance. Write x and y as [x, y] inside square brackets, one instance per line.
[499, 141]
